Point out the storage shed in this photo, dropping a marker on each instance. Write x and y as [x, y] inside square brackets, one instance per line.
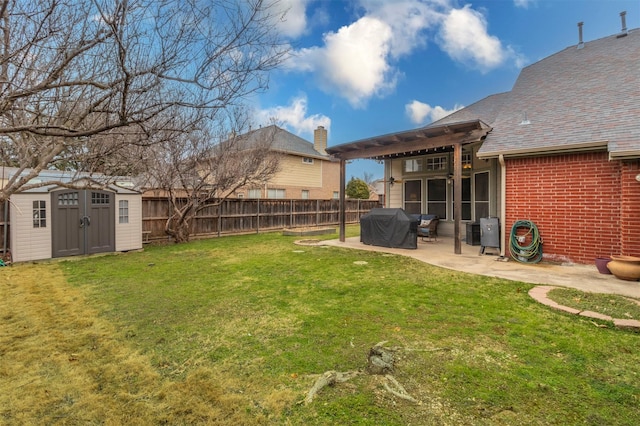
[84, 217]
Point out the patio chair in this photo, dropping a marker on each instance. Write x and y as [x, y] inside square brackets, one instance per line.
[428, 227]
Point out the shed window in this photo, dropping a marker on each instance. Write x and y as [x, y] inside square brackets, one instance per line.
[40, 214]
[68, 199]
[123, 211]
[100, 198]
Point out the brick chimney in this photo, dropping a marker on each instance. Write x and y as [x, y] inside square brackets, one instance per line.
[320, 139]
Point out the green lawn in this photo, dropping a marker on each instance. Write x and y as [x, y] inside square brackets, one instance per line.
[245, 324]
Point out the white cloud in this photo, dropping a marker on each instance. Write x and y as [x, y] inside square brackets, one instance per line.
[408, 19]
[359, 61]
[291, 17]
[420, 113]
[353, 63]
[465, 39]
[294, 117]
[523, 3]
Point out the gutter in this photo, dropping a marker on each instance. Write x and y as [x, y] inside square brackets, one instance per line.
[624, 155]
[503, 203]
[529, 152]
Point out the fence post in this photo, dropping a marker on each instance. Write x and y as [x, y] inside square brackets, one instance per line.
[220, 219]
[258, 217]
[291, 214]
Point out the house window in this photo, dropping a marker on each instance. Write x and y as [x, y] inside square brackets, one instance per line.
[336, 195]
[466, 199]
[307, 160]
[466, 160]
[276, 193]
[481, 183]
[413, 196]
[123, 211]
[437, 197]
[437, 163]
[413, 165]
[255, 193]
[305, 194]
[240, 195]
[39, 214]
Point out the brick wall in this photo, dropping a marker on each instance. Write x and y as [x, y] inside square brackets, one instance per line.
[583, 204]
[630, 209]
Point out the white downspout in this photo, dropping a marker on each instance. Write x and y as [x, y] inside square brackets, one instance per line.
[387, 184]
[503, 203]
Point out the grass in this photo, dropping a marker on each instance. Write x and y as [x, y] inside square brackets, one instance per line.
[235, 331]
[608, 304]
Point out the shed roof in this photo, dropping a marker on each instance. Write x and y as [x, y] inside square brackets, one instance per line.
[49, 180]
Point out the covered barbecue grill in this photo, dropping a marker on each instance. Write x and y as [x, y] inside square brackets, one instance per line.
[389, 228]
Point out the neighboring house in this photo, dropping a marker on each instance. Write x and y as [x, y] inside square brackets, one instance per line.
[54, 221]
[561, 149]
[306, 171]
[376, 190]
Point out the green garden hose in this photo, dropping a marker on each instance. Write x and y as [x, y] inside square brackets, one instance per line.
[530, 253]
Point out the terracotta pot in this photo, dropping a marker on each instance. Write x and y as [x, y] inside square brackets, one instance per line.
[601, 264]
[625, 267]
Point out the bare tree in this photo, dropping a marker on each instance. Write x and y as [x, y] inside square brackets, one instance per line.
[83, 80]
[203, 167]
[367, 177]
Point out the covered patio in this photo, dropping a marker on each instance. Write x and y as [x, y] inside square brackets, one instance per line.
[448, 138]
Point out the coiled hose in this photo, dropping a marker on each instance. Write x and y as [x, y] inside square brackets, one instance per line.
[531, 253]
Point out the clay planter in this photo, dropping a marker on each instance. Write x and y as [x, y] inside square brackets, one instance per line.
[601, 264]
[625, 267]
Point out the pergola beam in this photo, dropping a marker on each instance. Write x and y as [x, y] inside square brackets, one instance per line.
[407, 143]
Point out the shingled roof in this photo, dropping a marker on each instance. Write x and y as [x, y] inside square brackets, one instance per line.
[284, 141]
[486, 110]
[582, 98]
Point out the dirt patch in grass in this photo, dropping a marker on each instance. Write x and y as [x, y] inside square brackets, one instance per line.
[62, 363]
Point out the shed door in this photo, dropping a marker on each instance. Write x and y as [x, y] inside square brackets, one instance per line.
[83, 222]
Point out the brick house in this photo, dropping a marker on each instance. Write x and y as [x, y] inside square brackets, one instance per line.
[561, 149]
[306, 170]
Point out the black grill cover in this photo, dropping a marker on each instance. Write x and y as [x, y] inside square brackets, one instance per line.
[389, 228]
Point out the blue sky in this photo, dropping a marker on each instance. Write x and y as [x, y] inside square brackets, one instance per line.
[363, 68]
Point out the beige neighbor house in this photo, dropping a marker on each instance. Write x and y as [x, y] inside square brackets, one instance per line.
[84, 216]
[306, 171]
[561, 149]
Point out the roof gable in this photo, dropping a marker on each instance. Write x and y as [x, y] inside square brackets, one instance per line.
[576, 97]
[486, 110]
[283, 141]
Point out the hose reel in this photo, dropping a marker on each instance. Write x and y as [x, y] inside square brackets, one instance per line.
[519, 249]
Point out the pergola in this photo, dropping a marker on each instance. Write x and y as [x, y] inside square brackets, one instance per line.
[450, 137]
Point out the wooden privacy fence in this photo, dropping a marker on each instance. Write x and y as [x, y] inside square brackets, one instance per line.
[236, 216]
